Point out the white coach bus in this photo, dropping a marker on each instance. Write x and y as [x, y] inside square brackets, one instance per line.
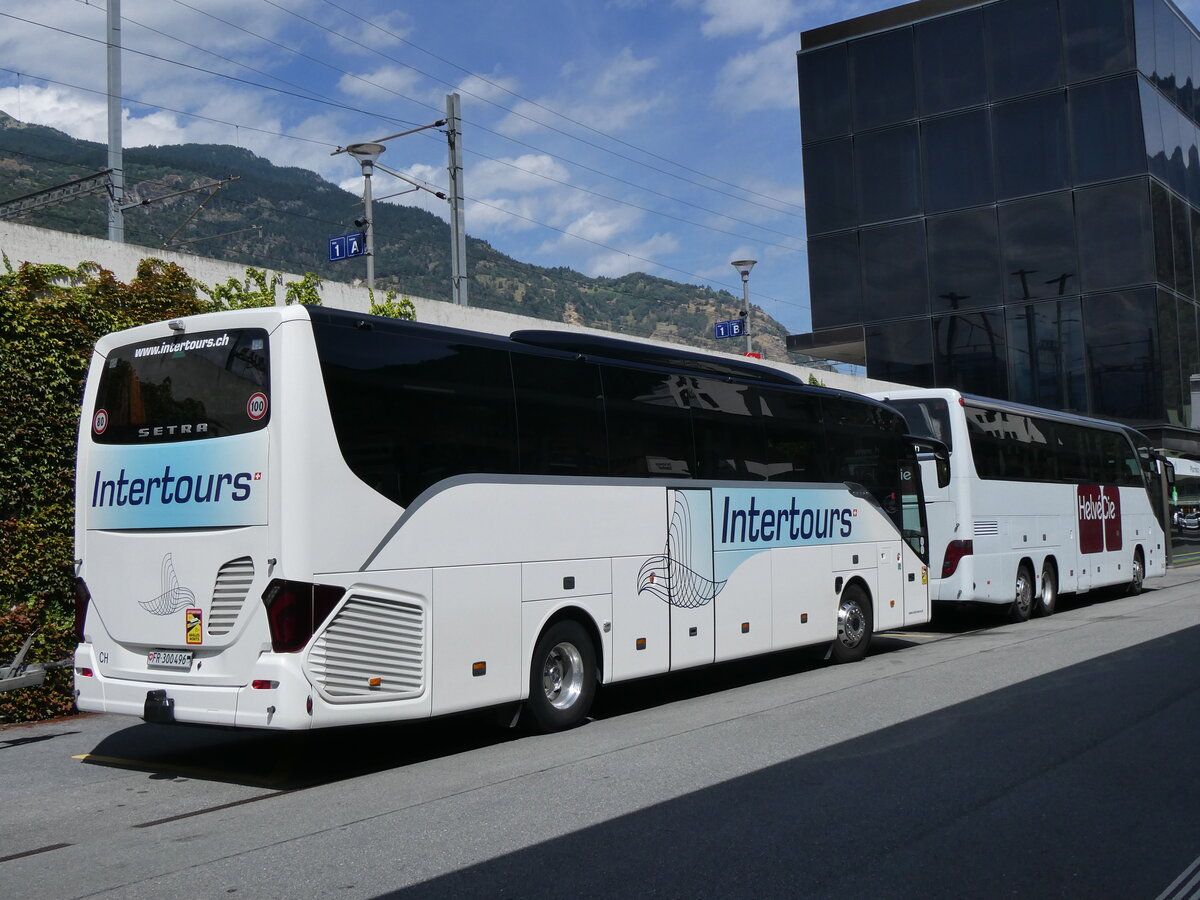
[300, 517]
[1039, 502]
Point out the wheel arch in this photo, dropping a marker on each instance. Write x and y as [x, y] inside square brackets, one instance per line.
[576, 614]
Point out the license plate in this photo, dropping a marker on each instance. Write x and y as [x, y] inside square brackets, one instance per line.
[169, 659]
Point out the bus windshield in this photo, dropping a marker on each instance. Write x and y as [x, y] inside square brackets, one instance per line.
[203, 385]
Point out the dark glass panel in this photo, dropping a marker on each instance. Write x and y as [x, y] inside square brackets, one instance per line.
[1160, 210]
[1037, 239]
[1032, 151]
[888, 174]
[649, 424]
[901, 352]
[865, 445]
[731, 442]
[560, 416]
[964, 260]
[795, 437]
[824, 93]
[1156, 153]
[956, 158]
[1181, 236]
[1183, 67]
[1172, 128]
[1097, 37]
[835, 280]
[969, 353]
[1168, 339]
[1024, 44]
[1115, 233]
[895, 281]
[1120, 334]
[884, 79]
[1189, 354]
[1106, 130]
[950, 62]
[1165, 21]
[1193, 161]
[1011, 446]
[1143, 31]
[829, 195]
[1045, 353]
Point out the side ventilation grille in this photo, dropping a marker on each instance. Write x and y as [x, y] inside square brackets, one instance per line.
[983, 529]
[229, 593]
[374, 649]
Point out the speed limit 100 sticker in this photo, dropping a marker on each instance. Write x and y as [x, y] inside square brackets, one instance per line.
[256, 406]
[100, 421]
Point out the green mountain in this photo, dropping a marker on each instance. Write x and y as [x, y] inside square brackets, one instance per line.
[280, 218]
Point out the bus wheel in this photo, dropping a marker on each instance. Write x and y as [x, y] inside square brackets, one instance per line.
[1139, 575]
[1022, 605]
[562, 677]
[854, 625]
[1048, 595]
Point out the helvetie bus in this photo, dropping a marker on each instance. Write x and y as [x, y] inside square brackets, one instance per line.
[301, 517]
[1039, 502]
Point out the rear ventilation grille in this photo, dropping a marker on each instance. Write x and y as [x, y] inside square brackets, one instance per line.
[229, 593]
[374, 649]
[986, 528]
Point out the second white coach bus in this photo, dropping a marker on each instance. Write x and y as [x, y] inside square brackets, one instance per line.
[300, 517]
[1039, 502]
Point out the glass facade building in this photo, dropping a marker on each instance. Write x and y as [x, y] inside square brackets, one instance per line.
[1004, 197]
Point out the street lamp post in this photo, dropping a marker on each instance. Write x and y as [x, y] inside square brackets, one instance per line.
[743, 267]
[366, 154]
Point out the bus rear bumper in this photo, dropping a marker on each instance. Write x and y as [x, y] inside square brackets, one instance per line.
[280, 705]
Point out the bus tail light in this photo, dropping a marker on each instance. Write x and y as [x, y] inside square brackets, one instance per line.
[295, 610]
[83, 597]
[955, 551]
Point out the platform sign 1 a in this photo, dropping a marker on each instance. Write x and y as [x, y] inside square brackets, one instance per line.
[347, 245]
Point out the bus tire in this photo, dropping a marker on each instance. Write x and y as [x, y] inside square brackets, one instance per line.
[855, 625]
[562, 677]
[1022, 605]
[1138, 574]
[1048, 595]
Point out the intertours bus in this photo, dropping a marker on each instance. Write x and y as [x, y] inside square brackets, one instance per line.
[301, 517]
[1039, 502]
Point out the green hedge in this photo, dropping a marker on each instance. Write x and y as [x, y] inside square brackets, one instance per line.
[50, 317]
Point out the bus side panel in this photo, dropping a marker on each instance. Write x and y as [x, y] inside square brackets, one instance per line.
[476, 619]
[743, 621]
[641, 622]
[804, 609]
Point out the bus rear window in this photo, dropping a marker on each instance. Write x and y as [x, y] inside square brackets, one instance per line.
[187, 387]
[928, 417]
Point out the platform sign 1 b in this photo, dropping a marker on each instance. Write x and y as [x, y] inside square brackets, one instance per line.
[347, 245]
[731, 328]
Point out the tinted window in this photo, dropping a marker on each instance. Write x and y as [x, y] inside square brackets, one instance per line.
[1189, 353]
[186, 387]
[835, 280]
[1160, 210]
[731, 442]
[964, 260]
[895, 283]
[926, 418]
[957, 161]
[1010, 445]
[884, 81]
[824, 93]
[1121, 337]
[888, 174]
[1045, 353]
[795, 437]
[901, 352]
[1168, 332]
[866, 444]
[970, 353]
[1165, 21]
[950, 62]
[1106, 130]
[649, 426]
[1115, 235]
[1024, 47]
[1037, 239]
[1156, 154]
[1031, 145]
[560, 416]
[1181, 236]
[1097, 37]
[412, 409]
[829, 194]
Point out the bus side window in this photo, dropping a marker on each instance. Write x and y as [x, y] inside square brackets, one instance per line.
[795, 439]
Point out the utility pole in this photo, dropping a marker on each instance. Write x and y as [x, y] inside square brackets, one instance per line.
[116, 200]
[366, 154]
[743, 267]
[458, 234]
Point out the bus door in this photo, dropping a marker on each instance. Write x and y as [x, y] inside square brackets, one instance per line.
[691, 586]
[915, 530]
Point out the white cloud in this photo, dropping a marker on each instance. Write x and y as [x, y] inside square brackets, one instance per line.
[382, 84]
[512, 175]
[764, 78]
[635, 258]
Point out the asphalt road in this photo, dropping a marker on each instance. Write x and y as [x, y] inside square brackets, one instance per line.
[1057, 758]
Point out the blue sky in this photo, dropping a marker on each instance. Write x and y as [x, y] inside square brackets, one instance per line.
[659, 136]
